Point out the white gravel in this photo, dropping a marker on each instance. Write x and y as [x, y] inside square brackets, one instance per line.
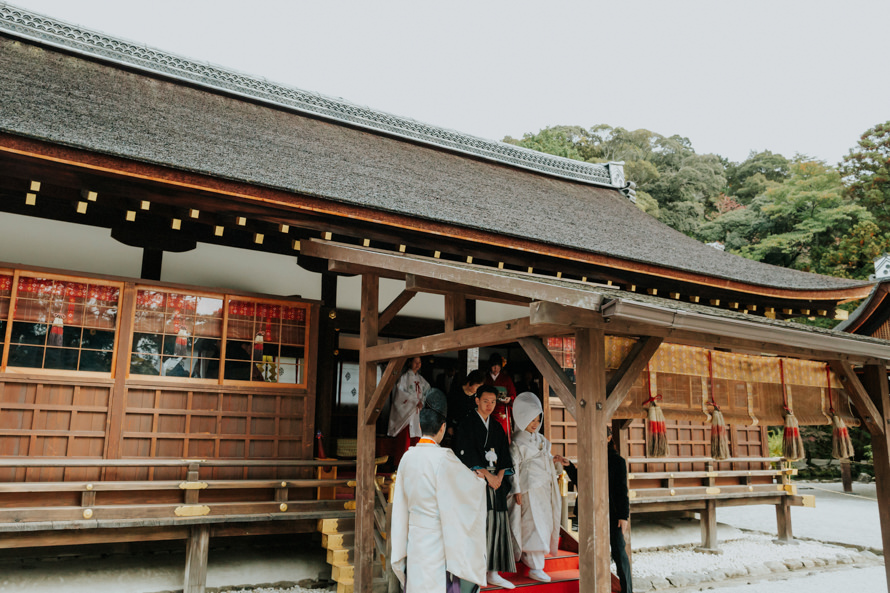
[294, 589]
[737, 554]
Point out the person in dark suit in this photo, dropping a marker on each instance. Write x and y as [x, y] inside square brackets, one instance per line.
[619, 510]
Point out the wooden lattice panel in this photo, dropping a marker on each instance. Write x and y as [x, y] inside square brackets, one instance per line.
[47, 418]
[212, 424]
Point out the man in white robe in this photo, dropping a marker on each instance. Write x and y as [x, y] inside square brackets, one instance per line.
[438, 513]
[537, 505]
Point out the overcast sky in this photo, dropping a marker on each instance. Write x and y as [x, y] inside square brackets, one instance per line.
[788, 76]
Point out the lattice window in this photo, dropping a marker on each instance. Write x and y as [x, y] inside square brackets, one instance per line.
[180, 334]
[63, 324]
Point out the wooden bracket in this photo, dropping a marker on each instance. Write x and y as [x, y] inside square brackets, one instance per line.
[551, 371]
[874, 420]
[387, 382]
[629, 371]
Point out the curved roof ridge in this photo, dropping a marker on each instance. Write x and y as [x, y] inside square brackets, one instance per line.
[71, 37]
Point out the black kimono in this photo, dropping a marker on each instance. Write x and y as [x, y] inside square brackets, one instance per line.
[472, 442]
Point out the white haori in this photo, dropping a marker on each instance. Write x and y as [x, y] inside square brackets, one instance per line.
[535, 523]
[407, 398]
[433, 484]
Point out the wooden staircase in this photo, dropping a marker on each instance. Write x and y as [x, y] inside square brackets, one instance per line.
[563, 569]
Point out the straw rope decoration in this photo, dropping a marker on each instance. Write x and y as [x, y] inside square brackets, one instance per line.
[656, 431]
[792, 444]
[841, 444]
[719, 435]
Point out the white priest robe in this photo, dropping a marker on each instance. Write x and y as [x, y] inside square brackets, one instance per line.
[535, 523]
[407, 399]
[438, 520]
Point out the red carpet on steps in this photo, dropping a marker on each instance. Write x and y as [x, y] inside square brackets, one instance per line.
[563, 571]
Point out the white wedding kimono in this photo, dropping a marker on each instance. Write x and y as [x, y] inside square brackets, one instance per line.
[438, 520]
[407, 394]
[534, 523]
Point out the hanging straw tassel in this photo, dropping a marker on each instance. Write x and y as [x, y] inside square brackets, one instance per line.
[792, 444]
[719, 435]
[656, 431]
[841, 444]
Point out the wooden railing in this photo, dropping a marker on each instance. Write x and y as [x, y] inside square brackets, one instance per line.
[648, 487]
[33, 505]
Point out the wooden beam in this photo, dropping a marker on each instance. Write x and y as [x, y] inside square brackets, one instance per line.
[593, 490]
[365, 554]
[196, 559]
[552, 372]
[436, 286]
[554, 314]
[860, 397]
[360, 270]
[526, 286]
[636, 360]
[383, 389]
[394, 307]
[875, 380]
[473, 337]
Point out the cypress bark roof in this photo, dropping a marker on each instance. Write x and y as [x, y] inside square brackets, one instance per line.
[143, 115]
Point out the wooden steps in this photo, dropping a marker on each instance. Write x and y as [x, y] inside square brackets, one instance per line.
[563, 569]
[338, 538]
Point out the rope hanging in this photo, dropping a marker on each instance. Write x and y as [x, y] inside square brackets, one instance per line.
[792, 444]
[841, 444]
[656, 431]
[719, 435]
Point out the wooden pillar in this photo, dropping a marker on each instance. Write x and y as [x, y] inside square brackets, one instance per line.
[364, 490]
[783, 521]
[326, 369]
[152, 262]
[593, 462]
[875, 383]
[196, 559]
[846, 475]
[709, 525]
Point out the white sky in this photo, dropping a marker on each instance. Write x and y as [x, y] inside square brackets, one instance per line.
[790, 76]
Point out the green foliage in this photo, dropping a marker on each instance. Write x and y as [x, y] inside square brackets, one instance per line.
[797, 213]
[867, 169]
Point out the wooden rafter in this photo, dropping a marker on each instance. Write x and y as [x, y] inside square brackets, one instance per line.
[552, 372]
[435, 286]
[774, 340]
[394, 307]
[384, 388]
[474, 337]
[874, 420]
[629, 371]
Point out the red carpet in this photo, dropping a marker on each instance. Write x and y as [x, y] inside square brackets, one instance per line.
[563, 570]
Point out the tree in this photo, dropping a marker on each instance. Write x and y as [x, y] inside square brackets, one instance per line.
[799, 223]
[769, 166]
[867, 172]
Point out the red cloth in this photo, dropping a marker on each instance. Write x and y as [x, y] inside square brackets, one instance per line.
[403, 443]
[503, 412]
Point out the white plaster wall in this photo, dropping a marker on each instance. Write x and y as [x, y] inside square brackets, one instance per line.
[424, 305]
[241, 269]
[52, 244]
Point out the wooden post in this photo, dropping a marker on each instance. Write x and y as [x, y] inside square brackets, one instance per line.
[593, 462]
[875, 383]
[709, 525]
[846, 475]
[783, 521]
[365, 555]
[196, 559]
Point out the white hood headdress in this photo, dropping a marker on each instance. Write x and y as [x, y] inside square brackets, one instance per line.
[526, 407]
